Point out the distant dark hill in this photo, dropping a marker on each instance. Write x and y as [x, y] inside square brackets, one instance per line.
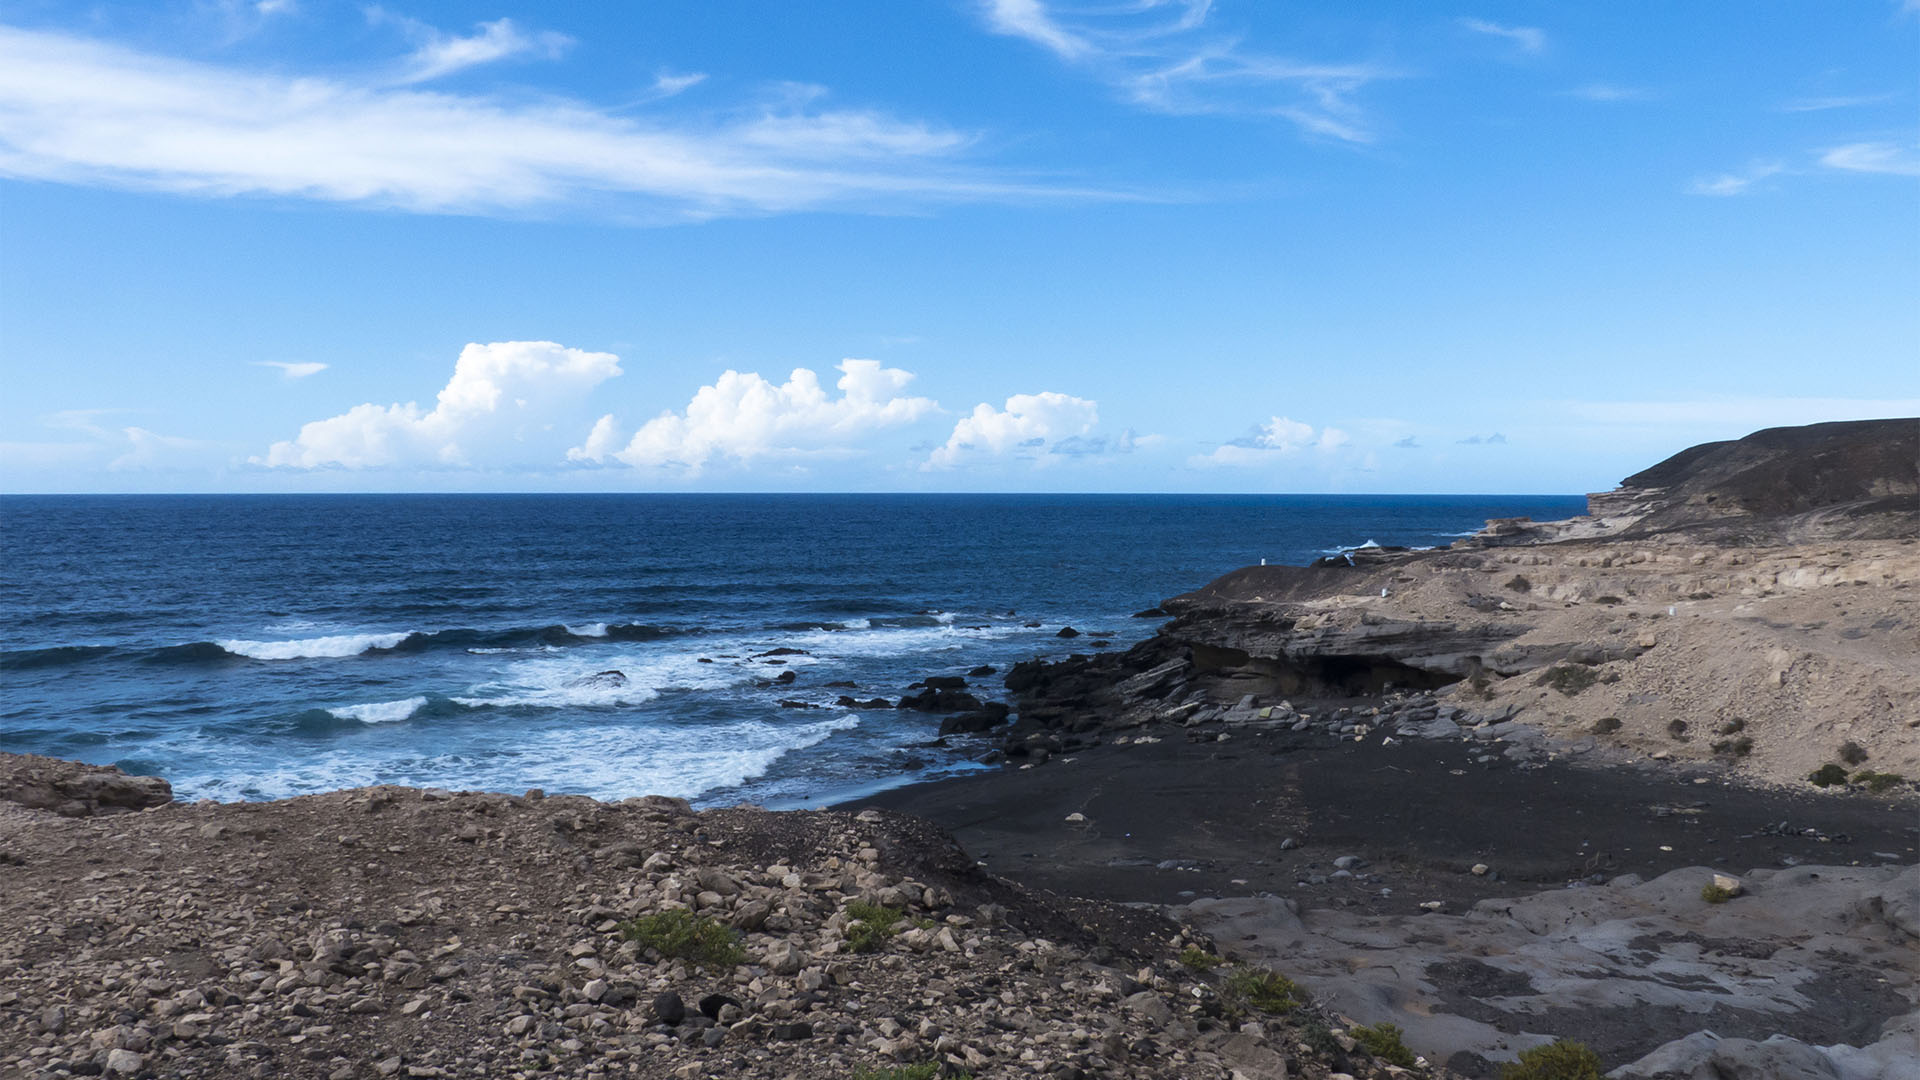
[1851, 479]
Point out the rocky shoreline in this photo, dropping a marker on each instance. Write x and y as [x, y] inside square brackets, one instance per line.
[1716, 672]
[1551, 783]
[420, 933]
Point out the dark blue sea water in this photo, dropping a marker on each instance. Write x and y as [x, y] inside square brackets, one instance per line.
[250, 647]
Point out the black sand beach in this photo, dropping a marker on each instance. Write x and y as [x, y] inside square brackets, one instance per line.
[1171, 821]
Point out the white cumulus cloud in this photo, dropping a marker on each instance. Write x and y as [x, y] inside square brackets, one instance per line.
[1028, 420]
[500, 407]
[743, 416]
[1279, 437]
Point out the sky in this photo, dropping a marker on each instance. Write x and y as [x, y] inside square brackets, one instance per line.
[948, 245]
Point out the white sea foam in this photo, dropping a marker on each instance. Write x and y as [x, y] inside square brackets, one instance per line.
[1344, 548]
[567, 680]
[381, 712]
[592, 629]
[611, 762]
[312, 648]
[857, 624]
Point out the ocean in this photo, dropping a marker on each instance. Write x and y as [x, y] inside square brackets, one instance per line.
[257, 647]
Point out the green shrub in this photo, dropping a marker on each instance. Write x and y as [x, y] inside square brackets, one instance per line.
[1554, 1061]
[1252, 989]
[1608, 600]
[927, 1070]
[1828, 775]
[1877, 782]
[872, 926]
[1569, 679]
[1519, 583]
[1200, 959]
[679, 934]
[1739, 747]
[1714, 894]
[1606, 725]
[1677, 729]
[1319, 1037]
[1852, 752]
[1383, 1041]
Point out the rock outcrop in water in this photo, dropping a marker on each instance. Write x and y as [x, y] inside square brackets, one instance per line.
[72, 789]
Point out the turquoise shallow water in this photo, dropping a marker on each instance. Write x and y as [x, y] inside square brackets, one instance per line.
[252, 647]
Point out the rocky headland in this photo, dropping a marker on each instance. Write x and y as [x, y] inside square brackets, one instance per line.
[1365, 771]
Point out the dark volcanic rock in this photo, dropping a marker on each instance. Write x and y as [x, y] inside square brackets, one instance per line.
[1067, 632]
[990, 715]
[1854, 480]
[846, 702]
[931, 700]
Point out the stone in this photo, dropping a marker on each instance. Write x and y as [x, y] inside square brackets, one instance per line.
[124, 1062]
[668, 1009]
[1150, 1007]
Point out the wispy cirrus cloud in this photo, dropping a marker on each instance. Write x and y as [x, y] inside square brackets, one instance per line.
[1725, 185]
[78, 111]
[666, 84]
[293, 369]
[1837, 101]
[1874, 157]
[1611, 93]
[437, 53]
[1162, 55]
[1528, 39]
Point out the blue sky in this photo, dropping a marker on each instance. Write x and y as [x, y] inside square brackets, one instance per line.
[958, 245]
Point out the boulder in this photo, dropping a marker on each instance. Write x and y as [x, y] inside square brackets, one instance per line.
[73, 789]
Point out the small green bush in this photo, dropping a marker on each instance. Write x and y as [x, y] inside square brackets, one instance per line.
[1519, 583]
[872, 926]
[1828, 775]
[926, 1070]
[1739, 747]
[679, 934]
[1569, 679]
[1383, 1041]
[1606, 725]
[1554, 1061]
[1714, 894]
[1877, 782]
[1608, 600]
[1852, 752]
[1677, 729]
[1319, 1037]
[1200, 959]
[1252, 989]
